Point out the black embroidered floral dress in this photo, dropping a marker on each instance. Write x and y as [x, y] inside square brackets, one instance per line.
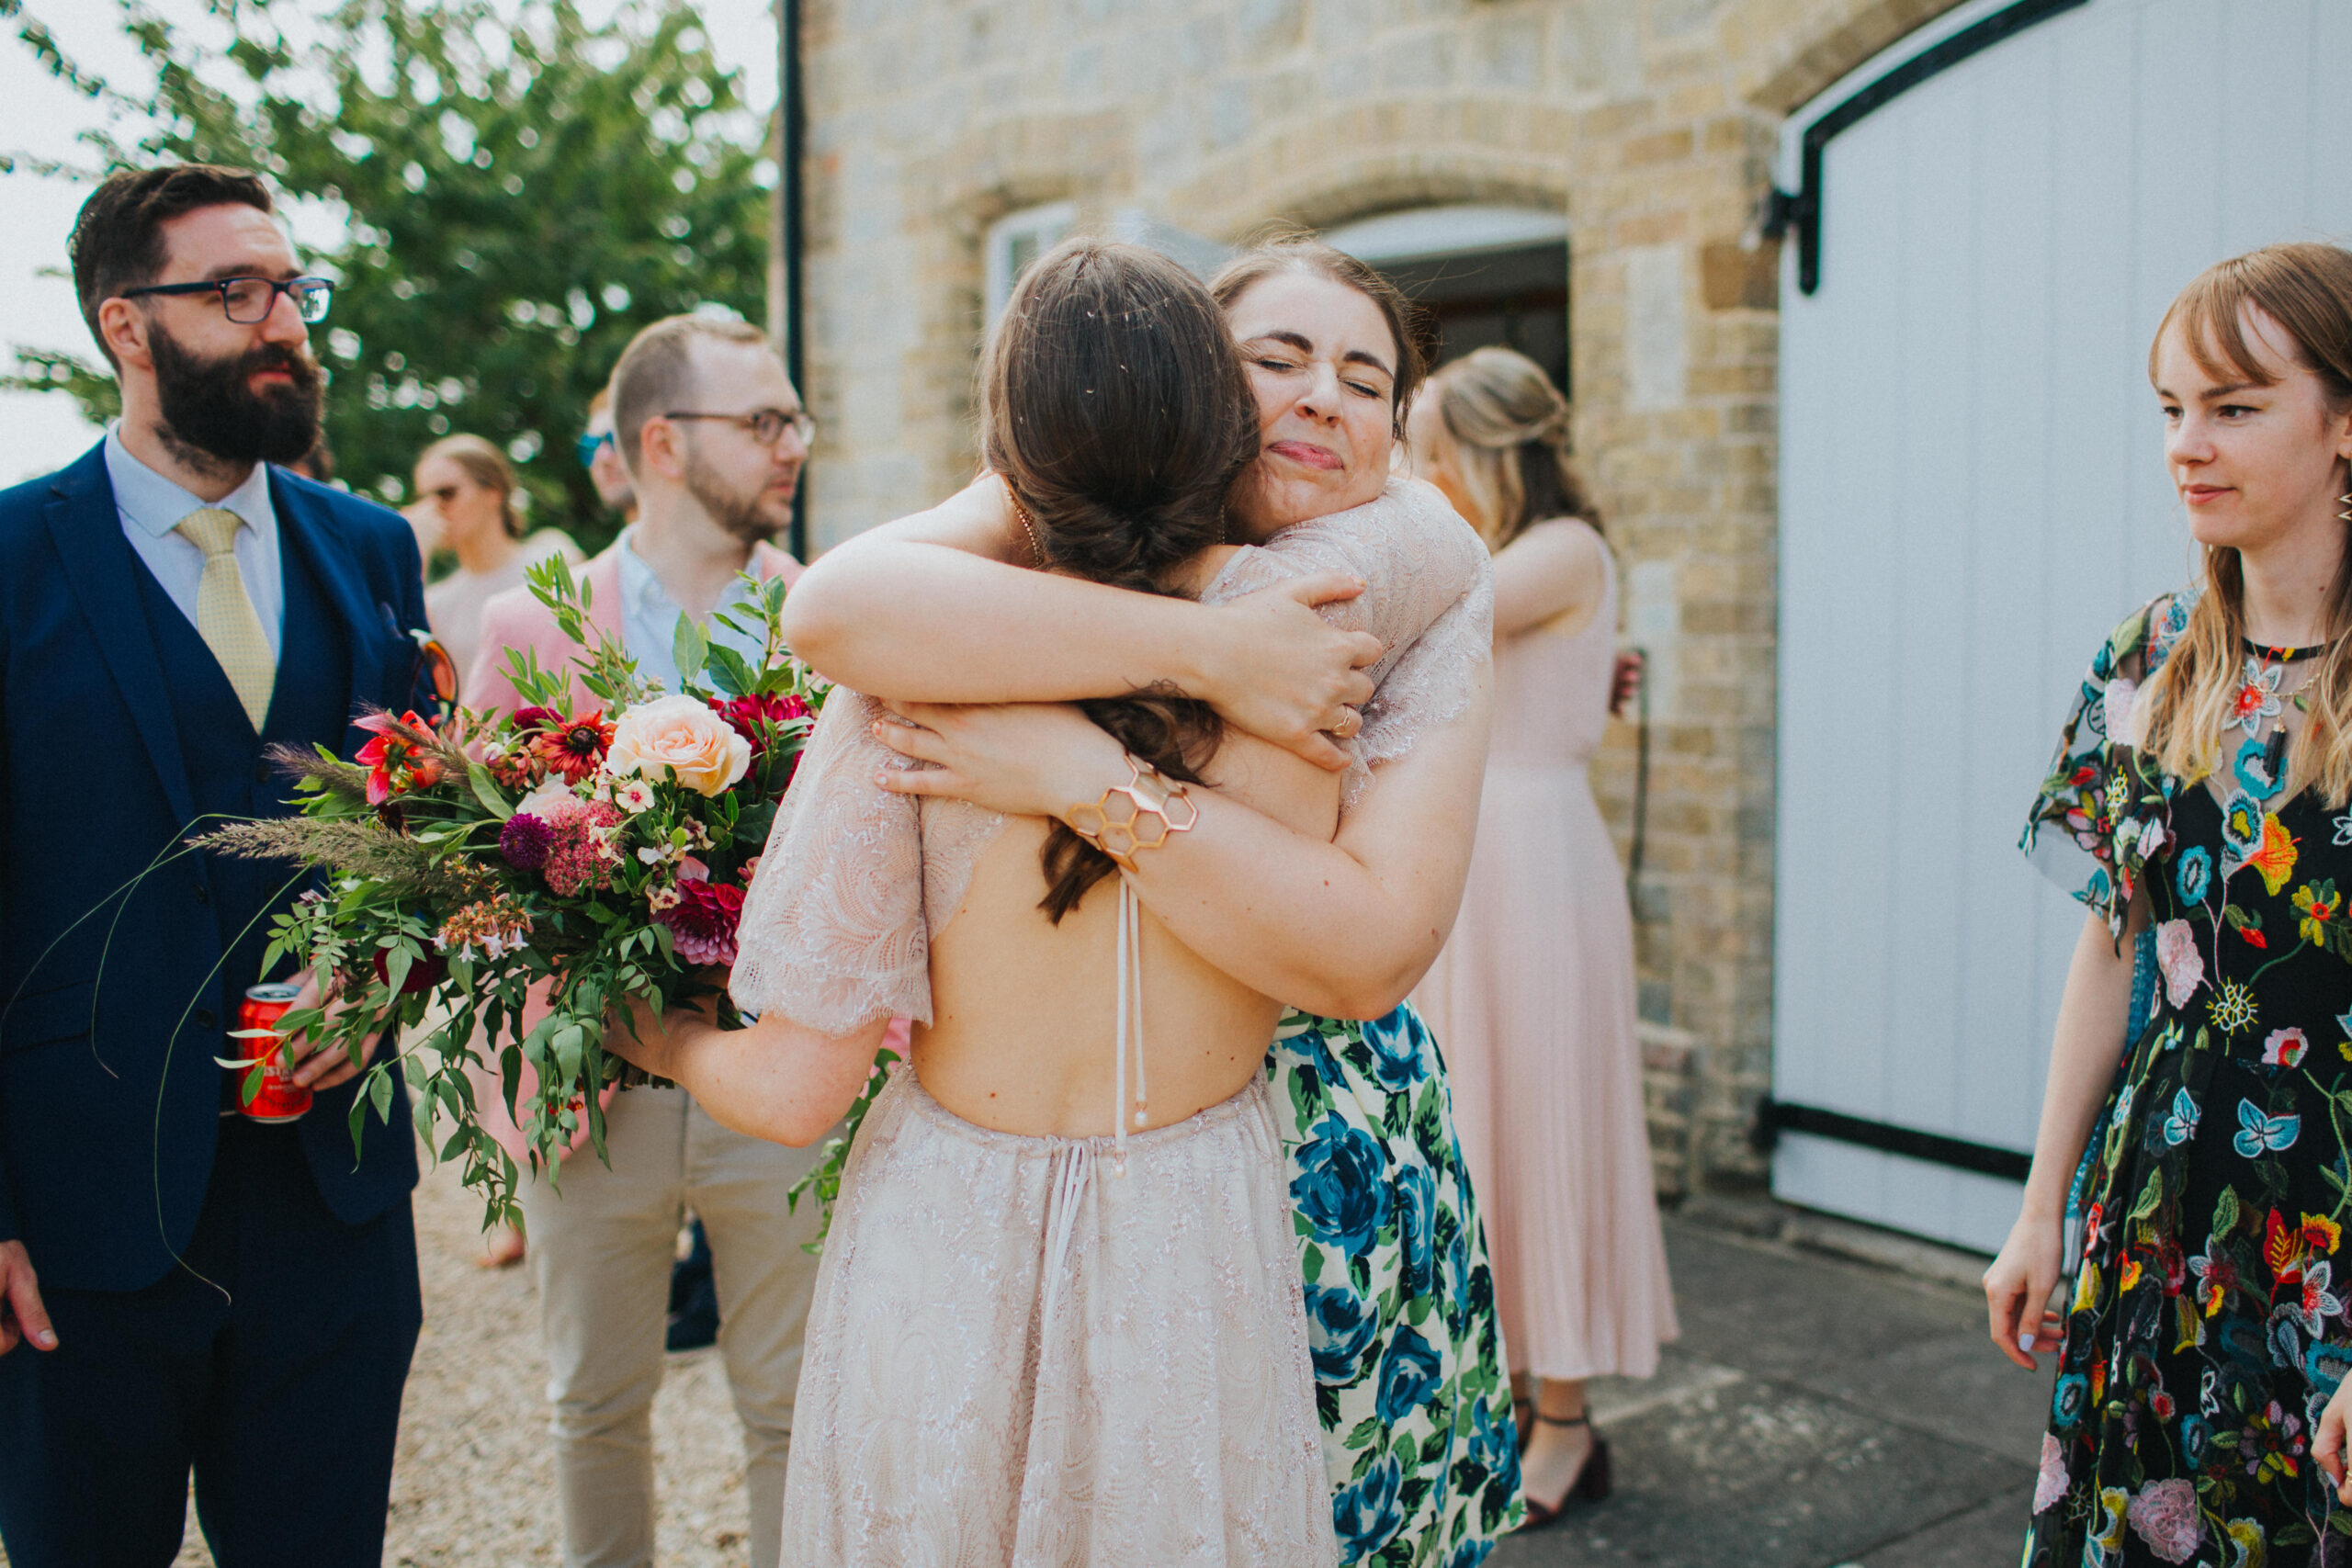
[2208, 1325]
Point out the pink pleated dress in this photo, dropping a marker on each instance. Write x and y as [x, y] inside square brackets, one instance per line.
[1532, 1004]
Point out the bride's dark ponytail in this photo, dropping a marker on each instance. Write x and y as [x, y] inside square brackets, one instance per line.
[1115, 406]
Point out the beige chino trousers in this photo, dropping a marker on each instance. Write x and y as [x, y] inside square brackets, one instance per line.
[601, 1250]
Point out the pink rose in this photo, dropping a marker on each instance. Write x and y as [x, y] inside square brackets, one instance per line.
[2164, 1516]
[678, 738]
[2176, 955]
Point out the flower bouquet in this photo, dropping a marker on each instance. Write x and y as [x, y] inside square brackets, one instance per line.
[517, 878]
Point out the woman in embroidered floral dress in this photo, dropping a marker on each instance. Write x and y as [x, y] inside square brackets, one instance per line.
[1416, 1411]
[2201, 786]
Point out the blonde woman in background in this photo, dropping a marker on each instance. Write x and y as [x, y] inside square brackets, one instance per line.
[465, 503]
[1533, 994]
[464, 495]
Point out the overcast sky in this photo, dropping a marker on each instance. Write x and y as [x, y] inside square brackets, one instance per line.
[40, 431]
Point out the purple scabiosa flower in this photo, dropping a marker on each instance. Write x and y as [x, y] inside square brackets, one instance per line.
[524, 841]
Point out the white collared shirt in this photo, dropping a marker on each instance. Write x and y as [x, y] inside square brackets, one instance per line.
[151, 506]
[649, 621]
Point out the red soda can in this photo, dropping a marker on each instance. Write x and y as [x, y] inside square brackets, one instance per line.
[280, 1098]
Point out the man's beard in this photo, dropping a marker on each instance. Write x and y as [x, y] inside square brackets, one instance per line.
[211, 404]
[739, 514]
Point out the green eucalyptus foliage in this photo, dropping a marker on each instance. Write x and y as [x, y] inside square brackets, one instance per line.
[523, 192]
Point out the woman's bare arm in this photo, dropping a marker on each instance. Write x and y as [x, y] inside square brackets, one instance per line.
[2088, 1042]
[774, 1079]
[1344, 927]
[991, 630]
[1553, 571]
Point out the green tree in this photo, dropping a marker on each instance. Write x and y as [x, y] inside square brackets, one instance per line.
[520, 191]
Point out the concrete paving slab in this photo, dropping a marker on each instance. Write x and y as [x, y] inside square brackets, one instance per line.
[1991, 1535]
[1760, 1474]
[1816, 1414]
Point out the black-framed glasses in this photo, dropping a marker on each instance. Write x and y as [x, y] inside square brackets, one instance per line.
[766, 425]
[588, 443]
[248, 300]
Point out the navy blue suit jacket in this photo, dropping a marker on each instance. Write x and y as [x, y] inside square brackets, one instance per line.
[110, 1094]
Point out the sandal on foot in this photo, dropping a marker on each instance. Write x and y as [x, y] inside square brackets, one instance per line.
[1591, 1484]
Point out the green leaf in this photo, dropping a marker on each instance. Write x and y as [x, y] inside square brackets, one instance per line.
[379, 1094]
[730, 673]
[689, 647]
[486, 790]
[2225, 1211]
[2151, 1195]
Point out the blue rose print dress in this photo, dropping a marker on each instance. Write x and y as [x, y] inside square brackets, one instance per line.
[2207, 1328]
[1401, 1304]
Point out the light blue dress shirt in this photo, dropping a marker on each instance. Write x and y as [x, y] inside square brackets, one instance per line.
[151, 506]
[649, 621]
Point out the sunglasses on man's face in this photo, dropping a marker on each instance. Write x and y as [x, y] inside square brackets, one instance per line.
[588, 445]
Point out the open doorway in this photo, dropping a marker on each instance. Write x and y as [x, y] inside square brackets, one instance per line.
[1482, 275]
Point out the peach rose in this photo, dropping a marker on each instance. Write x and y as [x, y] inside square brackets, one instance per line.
[678, 735]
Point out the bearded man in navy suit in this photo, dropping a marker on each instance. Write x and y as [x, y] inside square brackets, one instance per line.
[182, 1290]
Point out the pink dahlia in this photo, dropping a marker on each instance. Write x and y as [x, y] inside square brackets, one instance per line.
[701, 922]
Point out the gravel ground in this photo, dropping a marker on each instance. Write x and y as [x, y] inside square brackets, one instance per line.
[473, 1484]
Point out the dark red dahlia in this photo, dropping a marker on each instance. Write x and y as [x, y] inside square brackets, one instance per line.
[524, 841]
[423, 975]
[748, 714]
[701, 922]
[537, 718]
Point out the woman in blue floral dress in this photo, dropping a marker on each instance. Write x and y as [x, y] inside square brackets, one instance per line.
[2200, 789]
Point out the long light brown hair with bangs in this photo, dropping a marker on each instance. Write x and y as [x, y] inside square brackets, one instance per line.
[2306, 289]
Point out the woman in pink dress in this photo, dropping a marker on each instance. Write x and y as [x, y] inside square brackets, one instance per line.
[1533, 997]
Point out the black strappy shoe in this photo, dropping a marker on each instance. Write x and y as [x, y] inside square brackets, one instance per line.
[1591, 1484]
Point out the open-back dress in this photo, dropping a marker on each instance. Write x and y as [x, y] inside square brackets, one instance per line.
[1008, 1350]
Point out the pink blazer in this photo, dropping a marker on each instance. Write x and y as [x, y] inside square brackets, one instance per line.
[515, 620]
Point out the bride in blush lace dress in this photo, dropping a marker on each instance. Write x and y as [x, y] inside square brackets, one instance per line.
[1057, 1319]
[1408, 1354]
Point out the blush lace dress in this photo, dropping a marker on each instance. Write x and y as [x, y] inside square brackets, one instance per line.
[1012, 1359]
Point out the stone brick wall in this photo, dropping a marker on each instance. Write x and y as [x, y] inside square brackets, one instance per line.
[1650, 123]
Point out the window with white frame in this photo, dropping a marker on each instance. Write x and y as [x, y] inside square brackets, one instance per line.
[1016, 240]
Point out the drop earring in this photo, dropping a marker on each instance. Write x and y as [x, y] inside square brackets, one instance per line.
[2345, 514]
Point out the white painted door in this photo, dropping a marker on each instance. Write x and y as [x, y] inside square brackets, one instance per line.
[1972, 494]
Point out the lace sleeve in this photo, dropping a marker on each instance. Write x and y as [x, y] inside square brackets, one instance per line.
[832, 933]
[2105, 811]
[1430, 596]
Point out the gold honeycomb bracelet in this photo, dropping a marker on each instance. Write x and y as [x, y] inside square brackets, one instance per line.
[1153, 809]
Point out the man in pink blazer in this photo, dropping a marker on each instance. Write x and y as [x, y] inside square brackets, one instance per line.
[714, 437]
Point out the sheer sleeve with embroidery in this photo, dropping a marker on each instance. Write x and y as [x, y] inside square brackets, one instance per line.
[2102, 813]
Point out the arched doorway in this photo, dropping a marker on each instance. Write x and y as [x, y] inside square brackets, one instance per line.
[1972, 495]
[1484, 274]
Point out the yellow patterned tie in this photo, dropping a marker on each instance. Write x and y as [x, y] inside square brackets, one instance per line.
[224, 612]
